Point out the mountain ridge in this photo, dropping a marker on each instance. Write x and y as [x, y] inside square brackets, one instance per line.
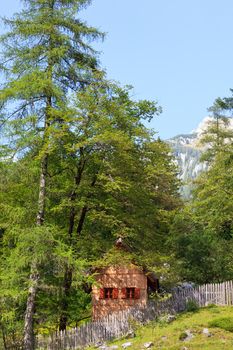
[188, 151]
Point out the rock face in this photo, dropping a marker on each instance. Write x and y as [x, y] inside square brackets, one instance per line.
[187, 155]
[187, 151]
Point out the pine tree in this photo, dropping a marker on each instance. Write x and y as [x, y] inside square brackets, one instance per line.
[46, 55]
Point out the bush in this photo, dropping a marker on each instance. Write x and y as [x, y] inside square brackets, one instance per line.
[225, 323]
[211, 306]
[182, 336]
[191, 305]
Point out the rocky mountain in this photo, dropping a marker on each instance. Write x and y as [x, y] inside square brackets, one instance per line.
[187, 150]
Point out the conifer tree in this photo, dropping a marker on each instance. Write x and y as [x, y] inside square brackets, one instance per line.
[45, 55]
[218, 135]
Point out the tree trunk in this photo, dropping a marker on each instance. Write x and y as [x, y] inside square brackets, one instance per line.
[67, 282]
[68, 272]
[42, 189]
[64, 304]
[82, 219]
[29, 341]
[29, 337]
[85, 209]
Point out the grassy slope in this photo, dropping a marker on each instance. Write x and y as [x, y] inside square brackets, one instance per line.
[166, 336]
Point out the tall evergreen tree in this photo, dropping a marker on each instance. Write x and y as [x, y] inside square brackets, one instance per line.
[218, 135]
[46, 54]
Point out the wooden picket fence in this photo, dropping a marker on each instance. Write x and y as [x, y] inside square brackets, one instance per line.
[119, 324]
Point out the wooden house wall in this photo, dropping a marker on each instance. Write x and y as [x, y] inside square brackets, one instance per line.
[120, 278]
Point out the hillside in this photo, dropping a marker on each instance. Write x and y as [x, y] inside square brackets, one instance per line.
[169, 336]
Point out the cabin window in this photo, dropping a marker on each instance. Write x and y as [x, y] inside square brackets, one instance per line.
[130, 293]
[108, 293]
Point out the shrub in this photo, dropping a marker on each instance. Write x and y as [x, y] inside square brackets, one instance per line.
[182, 336]
[213, 309]
[211, 306]
[191, 305]
[225, 323]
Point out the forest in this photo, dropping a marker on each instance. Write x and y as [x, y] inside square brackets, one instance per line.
[80, 167]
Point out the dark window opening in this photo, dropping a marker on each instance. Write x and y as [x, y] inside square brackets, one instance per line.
[130, 293]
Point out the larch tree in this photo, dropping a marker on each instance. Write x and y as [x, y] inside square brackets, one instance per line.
[218, 135]
[45, 56]
[213, 188]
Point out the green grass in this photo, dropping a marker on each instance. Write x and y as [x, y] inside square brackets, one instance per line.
[219, 321]
[225, 323]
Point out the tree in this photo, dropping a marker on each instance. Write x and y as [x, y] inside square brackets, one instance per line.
[105, 129]
[206, 222]
[46, 55]
[82, 139]
[200, 253]
[213, 193]
[20, 242]
[112, 154]
[94, 194]
[218, 135]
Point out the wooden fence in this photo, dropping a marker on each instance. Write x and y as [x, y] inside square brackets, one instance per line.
[119, 324]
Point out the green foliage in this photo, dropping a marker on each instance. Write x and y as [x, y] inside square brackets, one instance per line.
[45, 56]
[118, 154]
[115, 257]
[106, 174]
[201, 231]
[201, 253]
[112, 151]
[191, 306]
[225, 323]
[182, 336]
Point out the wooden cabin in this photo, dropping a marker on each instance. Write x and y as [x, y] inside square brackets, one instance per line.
[121, 287]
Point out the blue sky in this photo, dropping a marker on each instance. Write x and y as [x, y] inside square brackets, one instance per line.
[179, 52]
